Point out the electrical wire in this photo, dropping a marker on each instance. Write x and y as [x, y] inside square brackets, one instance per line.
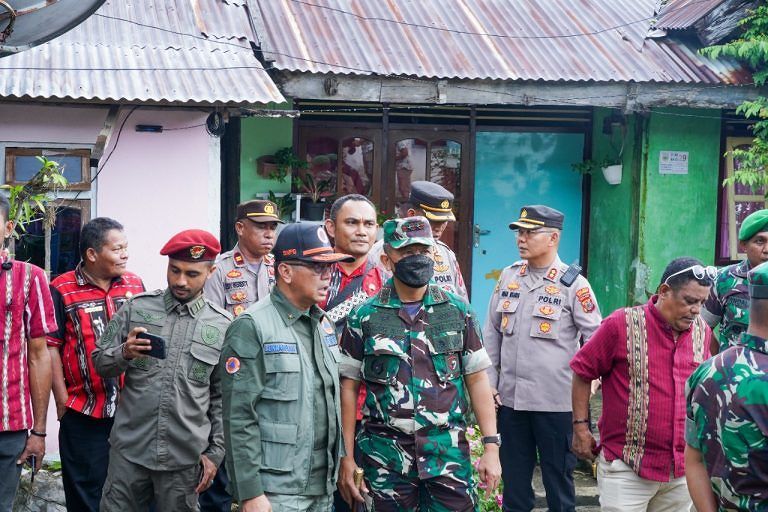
[490, 34]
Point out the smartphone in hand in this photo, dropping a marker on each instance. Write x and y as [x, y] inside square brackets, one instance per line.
[157, 344]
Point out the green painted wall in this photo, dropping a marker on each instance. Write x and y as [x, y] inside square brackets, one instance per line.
[678, 213]
[262, 136]
[610, 218]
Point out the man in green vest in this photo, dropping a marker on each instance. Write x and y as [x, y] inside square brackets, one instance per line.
[280, 382]
[419, 350]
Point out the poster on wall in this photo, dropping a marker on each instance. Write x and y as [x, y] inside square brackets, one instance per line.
[673, 162]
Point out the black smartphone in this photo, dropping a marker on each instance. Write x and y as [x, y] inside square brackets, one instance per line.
[157, 344]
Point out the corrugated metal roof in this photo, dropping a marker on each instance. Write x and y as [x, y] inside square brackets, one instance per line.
[178, 51]
[556, 40]
[682, 14]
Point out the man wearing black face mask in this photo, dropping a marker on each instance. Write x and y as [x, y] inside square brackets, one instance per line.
[419, 350]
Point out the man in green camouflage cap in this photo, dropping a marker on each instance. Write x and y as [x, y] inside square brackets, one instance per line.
[728, 302]
[420, 353]
[726, 457]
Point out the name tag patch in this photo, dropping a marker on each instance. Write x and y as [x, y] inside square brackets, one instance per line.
[330, 340]
[281, 348]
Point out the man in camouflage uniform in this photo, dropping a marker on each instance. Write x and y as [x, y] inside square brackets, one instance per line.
[420, 353]
[726, 457]
[728, 302]
[167, 439]
[434, 202]
[246, 274]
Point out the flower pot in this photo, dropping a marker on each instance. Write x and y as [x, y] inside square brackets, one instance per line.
[266, 166]
[612, 174]
[312, 211]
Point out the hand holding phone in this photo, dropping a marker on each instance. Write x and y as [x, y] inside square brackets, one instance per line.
[157, 344]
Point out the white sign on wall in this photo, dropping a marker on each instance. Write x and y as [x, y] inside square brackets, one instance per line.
[673, 162]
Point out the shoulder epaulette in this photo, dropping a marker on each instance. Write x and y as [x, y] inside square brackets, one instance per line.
[219, 309]
[150, 293]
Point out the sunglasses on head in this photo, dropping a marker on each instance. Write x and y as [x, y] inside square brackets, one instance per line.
[700, 272]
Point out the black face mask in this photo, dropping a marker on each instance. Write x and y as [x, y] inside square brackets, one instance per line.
[415, 271]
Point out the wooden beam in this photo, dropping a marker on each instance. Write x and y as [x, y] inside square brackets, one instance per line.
[627, 96]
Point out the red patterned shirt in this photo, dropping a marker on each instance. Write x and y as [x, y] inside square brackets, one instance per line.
[26, 312]
[83, 311]
[644, 371]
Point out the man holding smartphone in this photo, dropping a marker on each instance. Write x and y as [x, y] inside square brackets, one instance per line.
[167, 438]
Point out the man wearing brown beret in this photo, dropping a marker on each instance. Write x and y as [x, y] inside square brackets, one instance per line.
[167, 439]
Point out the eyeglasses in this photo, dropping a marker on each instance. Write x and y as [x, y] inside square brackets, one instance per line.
[318, 269]
[530, 232]
[699, 272]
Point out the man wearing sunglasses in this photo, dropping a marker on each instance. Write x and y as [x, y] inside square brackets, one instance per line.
[536, 316]
[644, 354]
[280, 384]
[728, 302]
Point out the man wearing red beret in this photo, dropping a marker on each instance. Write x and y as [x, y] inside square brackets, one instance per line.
[167, 439]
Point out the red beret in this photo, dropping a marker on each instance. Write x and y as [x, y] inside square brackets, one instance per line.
[192, 245]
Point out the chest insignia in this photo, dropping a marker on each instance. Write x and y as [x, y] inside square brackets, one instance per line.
[239, 296]
[514, 285]
[234, 274]
[545, 327]
[210, 334]
[238, 310]
[552, 290]
[505, 305]
[546, 310]
[504, 321]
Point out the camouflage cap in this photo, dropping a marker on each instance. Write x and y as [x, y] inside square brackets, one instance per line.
[753, 224]
[408, 231]
[758, 281]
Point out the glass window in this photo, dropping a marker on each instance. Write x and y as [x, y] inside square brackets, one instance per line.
[737, 202]
[22, 164]
[357, 166]
[322, 158]
[445, 164]
[410, 165]
[65, 239]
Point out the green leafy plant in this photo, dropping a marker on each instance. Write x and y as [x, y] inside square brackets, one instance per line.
[287, 162]
[285, 204]
[33, 202]
[315, 189]
[752, 49]
[592, 166]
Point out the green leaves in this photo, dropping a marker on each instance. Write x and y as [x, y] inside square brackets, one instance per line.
[29, 201]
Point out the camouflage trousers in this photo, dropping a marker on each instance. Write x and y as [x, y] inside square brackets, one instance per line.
[393, 491]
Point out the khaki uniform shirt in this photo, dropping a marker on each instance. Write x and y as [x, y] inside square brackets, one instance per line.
[169, 408]
[532, 331]
[447, 272]
[234, 286]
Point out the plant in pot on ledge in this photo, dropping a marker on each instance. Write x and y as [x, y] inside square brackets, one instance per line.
[280, 165]
[315, 190]
[611, 169]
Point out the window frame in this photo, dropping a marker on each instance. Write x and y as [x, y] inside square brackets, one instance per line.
[11, 152]
[733, 240]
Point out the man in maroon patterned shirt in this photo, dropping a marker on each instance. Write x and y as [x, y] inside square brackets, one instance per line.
[644, 356]
[85, 299]
[26, 316]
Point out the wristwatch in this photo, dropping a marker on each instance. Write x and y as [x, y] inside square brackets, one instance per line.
[494, 439]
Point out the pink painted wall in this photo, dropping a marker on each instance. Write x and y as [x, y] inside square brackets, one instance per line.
[155, 184]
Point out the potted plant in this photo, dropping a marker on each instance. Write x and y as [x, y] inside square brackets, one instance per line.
[315, 190]
[280, 165]
[285, 204]
[611, 169]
